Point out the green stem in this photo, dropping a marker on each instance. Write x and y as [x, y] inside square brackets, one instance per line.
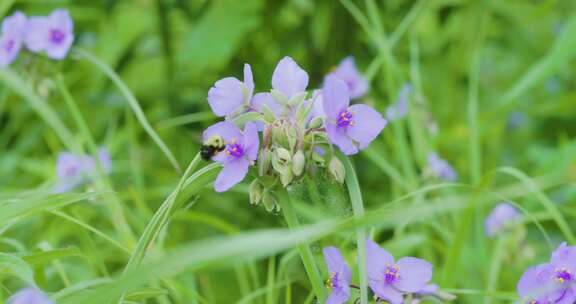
[304, 249]
[496, 262]
[358, 209]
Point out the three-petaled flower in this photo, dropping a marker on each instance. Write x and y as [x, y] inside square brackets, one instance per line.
[12, 37]
[390, 279]
[53, 34]
[239, 152]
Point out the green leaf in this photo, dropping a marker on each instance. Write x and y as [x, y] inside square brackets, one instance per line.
[17, 267]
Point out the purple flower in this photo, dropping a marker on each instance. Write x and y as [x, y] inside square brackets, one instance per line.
[390, 279]
[347, 72]
[29, 296]
[340, 276]
[75, 169]
[501, 216]
[230, 96]
[240, 151]
[351, 128]
[52, 34]
[399, 109]
[289, 78]
[441, 168]
[552, 282]
[12, 37]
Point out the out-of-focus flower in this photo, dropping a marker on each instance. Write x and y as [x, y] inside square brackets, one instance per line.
[501, 216]
[351, 128]
[231, 96]
[399, 109]
[12, 37]
[551, 282]
[340, 276]
[390, 279]
[516, 120]
[29, 296]
[289, 78]
[239, 152]
[440, 168]
[347, 72]
[53, 34]
[73, 169]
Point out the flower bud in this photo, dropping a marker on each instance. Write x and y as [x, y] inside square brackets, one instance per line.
[317, 122]
[269, 201]
[297, 99]
[256, 190]
[337, 170]
[298, 163]
[279, 97]
[263, 162]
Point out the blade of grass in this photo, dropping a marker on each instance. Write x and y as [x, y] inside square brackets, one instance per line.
[132, 102]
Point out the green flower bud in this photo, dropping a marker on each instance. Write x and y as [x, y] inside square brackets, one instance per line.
[256, 190]
[282, 163]
[337, 170]
[297, 99]
[269, 201]
[279, 97]
[317, 122]
[263, 162]
[298, 163]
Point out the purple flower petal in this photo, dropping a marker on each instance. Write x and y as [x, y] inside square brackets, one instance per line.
[225, 129]
[368, 123]
[399, 109]
[340, 276]
[29, 296]
[414, 274]
[248, 79]
[429, 289]
[232, 173]
[333, 258]
[564, 257]
[289, 78]
[340, 138]
[347, 72]
[377, 259]
[335, 97]
[37, 33]
[338, 296]
[441, 168]
[251, 141]
[261, 99]
[388, 293]
[226, 96]
[537, 284]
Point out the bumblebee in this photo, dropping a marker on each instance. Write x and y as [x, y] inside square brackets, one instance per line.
[212, 146]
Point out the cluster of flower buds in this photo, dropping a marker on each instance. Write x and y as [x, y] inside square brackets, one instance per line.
[288, 131]
[52, 34]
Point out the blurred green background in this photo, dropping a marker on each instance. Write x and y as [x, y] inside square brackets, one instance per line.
[170, 52]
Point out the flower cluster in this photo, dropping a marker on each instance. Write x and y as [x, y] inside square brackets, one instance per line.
[74, 169]
[52, 34]
[552, 282]
[287, 131]
[390, 280]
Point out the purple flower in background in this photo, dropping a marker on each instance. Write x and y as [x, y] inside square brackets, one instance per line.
[12, 37]
[53, 34]
[231, 96]
[73, 169]
[340, 276]
[441, 168]
[551, 282]
[241, 149]
[347, 72]
[289, 78]
[29, 296]
[399, 109]
[501, 216]
[351, 128]
[390, 279]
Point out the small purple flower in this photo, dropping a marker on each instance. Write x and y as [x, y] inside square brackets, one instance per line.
[74, 169]
[501, 216]
[231, 96]
[399, 109]
[441, 168]
[340, 276]
[53, 34]
[29, 296]
[289, 78]
[347, 72]
[12, 37]
[390, 279]
[240, 151]
[351, 128]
